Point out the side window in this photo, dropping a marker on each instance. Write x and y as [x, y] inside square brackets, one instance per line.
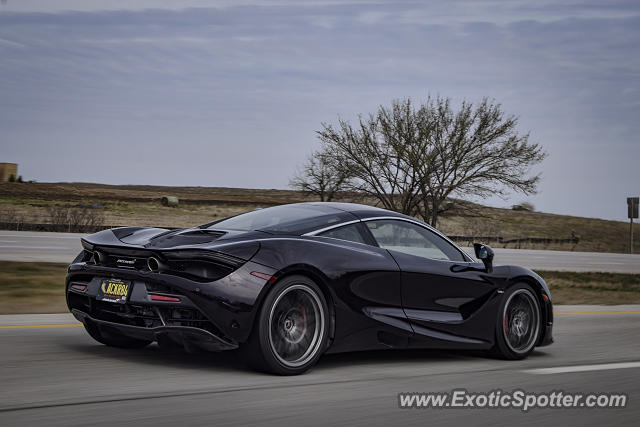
[412, 239]
[348, 232]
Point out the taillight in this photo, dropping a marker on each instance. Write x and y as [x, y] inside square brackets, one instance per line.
[165, 298]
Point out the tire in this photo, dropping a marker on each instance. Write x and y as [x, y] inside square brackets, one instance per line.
[518, 323]
[291, 329]
[115, 340]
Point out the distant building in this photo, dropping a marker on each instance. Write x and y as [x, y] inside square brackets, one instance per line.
[8, 170]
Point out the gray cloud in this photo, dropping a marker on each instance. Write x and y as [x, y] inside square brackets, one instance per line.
[231, 95]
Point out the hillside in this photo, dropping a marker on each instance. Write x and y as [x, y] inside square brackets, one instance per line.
[140, 205]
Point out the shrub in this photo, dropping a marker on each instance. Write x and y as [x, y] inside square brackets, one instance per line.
[75, 219]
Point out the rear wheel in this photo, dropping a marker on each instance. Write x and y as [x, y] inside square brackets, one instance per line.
[291, 329]
[114, 339]
[518, 325]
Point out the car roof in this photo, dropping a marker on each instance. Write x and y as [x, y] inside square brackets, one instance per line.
[318, 215]
[358, 210]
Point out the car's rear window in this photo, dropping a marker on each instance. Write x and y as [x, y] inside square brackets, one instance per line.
[285, 219]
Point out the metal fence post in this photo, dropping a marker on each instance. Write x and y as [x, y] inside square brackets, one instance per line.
[632, 209]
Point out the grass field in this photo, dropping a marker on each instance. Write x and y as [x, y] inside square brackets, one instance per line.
[592, 288]
[39, 287]
[27, 287]
[140, 205]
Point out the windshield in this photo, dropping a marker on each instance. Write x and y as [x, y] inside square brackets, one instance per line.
[286, 219]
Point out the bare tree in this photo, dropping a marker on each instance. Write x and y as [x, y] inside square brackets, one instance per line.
[412, 160]
[320, 176]
[379, 155]
[478, 152]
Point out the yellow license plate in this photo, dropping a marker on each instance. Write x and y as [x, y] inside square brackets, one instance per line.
[114, 290]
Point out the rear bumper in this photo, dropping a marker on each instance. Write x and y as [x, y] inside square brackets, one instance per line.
[184, 335]
[224, 308]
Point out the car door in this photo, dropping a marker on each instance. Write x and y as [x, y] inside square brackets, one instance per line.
[373, 289]
[441, 288]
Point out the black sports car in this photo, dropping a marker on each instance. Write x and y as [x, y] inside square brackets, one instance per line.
[287, 283]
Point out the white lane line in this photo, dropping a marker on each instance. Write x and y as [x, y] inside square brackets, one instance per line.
[583, 368]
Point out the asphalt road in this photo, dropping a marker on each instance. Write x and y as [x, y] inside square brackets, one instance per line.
[58, 376]
[35, 246]
[63, 247]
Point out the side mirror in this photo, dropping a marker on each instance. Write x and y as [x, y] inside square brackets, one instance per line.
[485, 254]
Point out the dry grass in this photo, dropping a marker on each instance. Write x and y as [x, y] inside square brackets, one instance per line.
[596, 235]
[32, 287]
[39, 287]
[140, 205]
[592, 288]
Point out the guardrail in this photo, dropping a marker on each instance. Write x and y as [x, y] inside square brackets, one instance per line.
[517, 242]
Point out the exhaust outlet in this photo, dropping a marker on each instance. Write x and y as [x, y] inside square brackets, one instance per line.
[154, 264]
[98, 257]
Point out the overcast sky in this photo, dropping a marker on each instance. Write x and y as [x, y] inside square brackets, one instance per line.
[231, 92]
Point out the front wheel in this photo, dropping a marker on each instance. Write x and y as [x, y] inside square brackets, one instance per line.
[518, 324]
[291, 330]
